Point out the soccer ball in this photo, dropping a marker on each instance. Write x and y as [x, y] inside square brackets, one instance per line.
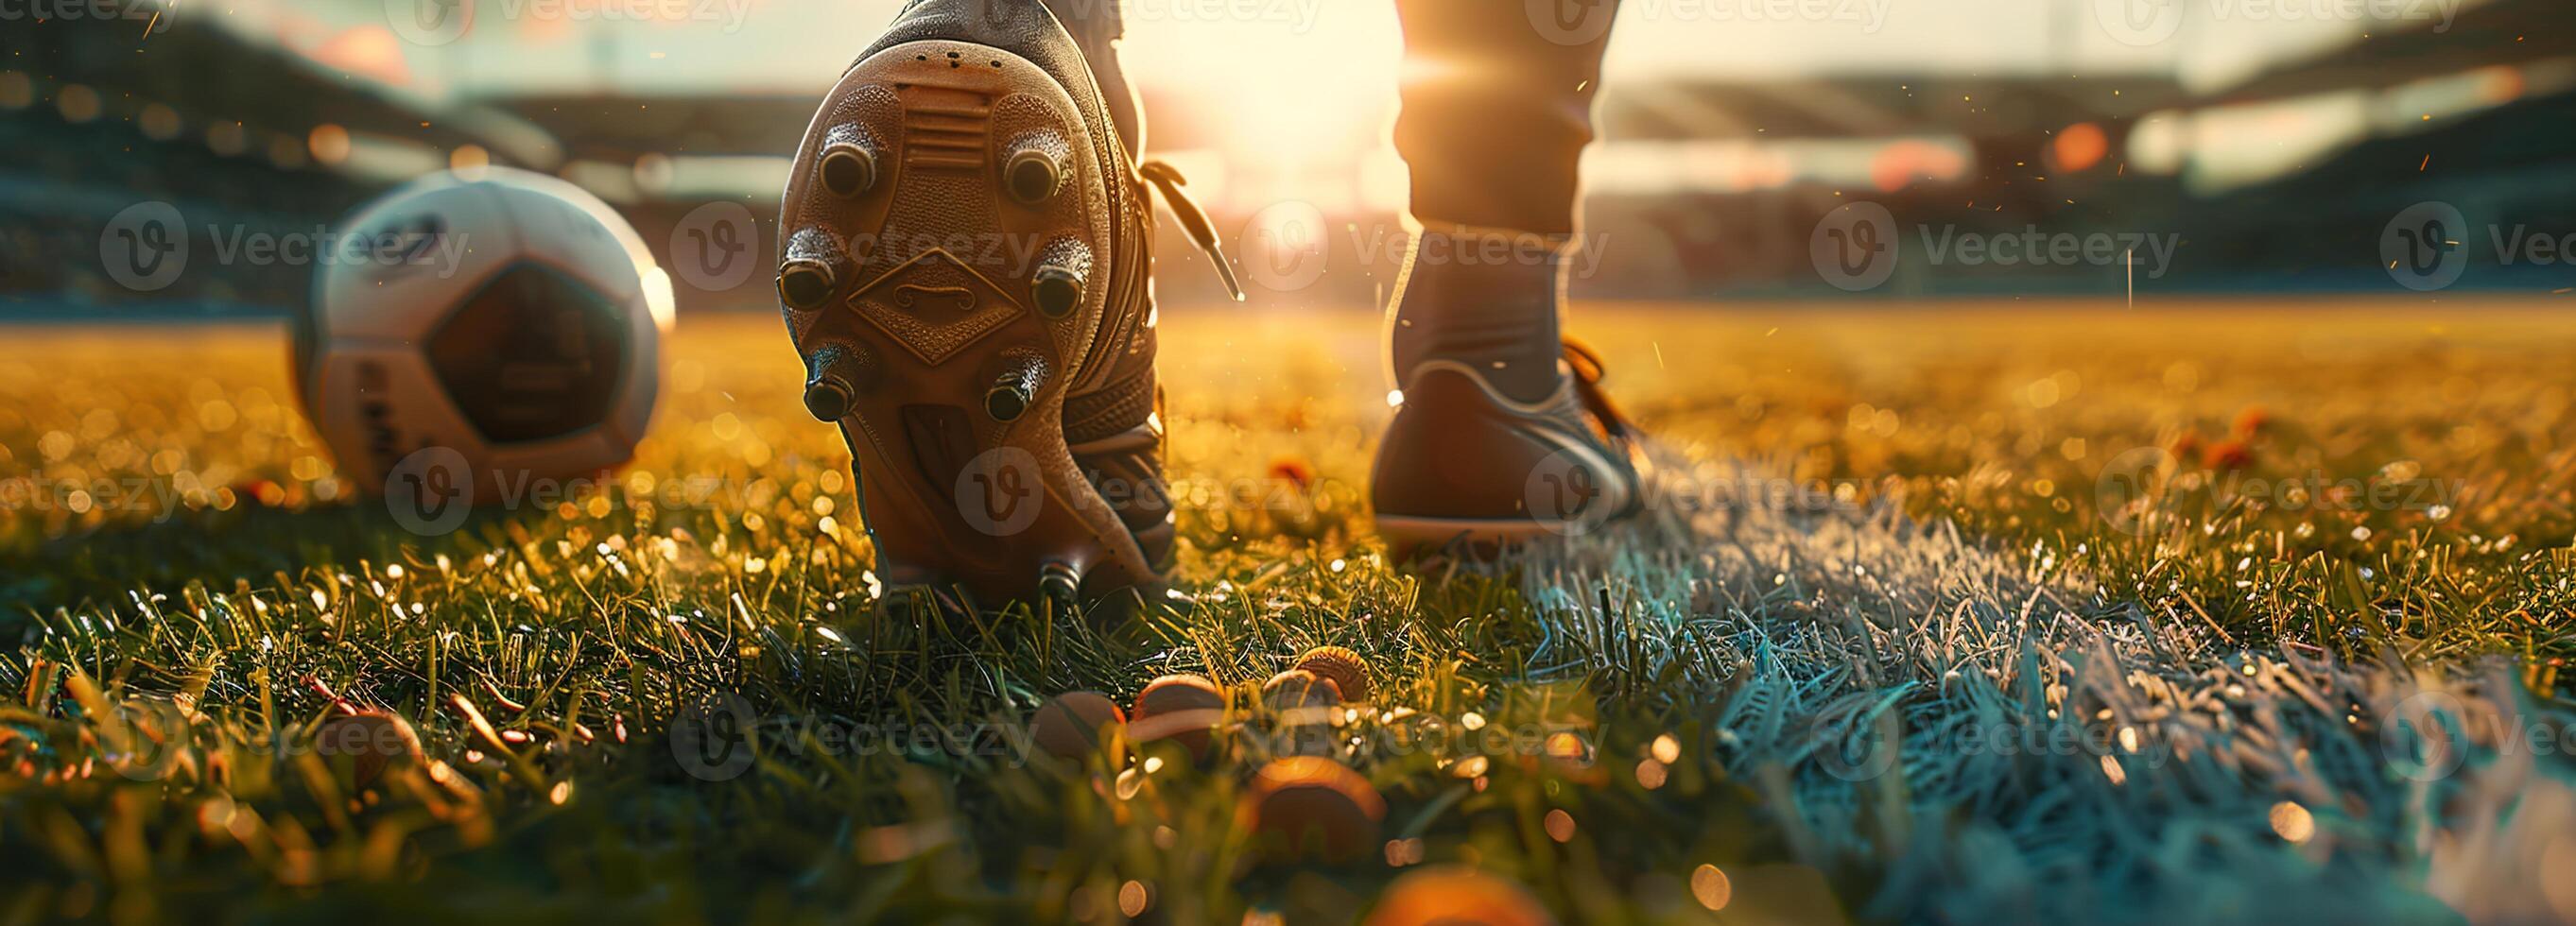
[480, 337]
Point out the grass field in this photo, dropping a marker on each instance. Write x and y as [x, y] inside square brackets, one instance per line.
[2019, 612]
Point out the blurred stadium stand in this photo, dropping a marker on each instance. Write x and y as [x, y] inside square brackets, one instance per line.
[238, 136]
[2481, 116]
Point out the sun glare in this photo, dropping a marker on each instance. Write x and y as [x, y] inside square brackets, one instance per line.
[1293, 104]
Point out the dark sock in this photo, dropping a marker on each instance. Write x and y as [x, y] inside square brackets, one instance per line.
[1486, 299]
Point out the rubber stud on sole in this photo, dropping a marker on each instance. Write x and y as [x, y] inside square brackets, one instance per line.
[849, 169]
[1015, 388]
[805, 284]
[1034, 170]
[1061, 584]
[1058, 291]
[834, 375]
[827, 400]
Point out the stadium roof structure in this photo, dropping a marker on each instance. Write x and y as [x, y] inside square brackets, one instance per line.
[1878, 106]
[2500, 32]
[624, 128]
[205, 72]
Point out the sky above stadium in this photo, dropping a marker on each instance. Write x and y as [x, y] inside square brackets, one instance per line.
[1324, 47]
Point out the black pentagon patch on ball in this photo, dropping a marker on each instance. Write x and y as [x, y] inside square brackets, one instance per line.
[532, 355]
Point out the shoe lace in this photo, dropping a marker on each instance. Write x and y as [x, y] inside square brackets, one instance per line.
[1588, 373]
[1168, 180]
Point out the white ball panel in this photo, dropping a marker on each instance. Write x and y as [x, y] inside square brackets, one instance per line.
[570, 193]
[448, 238]
[564, 227]
[632, 411]
[375, 403]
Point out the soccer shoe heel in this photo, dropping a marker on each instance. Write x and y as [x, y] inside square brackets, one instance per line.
[1464, 468]
[942, 215]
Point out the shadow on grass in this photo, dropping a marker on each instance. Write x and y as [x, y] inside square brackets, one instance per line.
[253, 544]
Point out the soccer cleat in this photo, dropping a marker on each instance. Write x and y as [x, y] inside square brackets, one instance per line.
[1462, 464]
[969, 242]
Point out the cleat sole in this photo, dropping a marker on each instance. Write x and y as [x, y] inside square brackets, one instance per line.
[957, 436]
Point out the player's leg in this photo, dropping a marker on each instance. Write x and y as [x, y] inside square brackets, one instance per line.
[1496, 439]
[998, 402]
[1098, 27]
